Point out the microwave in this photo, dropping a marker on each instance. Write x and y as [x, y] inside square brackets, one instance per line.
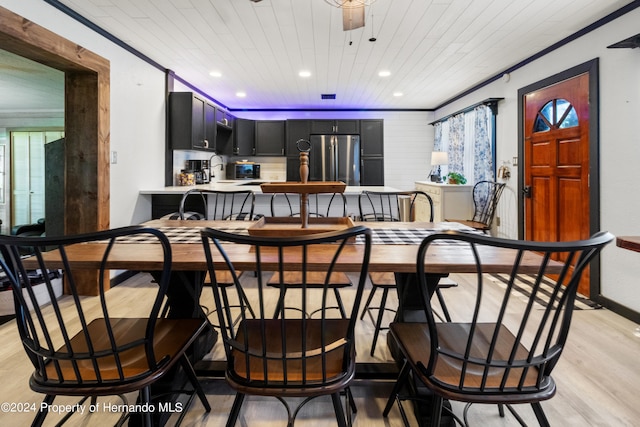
[243, 170]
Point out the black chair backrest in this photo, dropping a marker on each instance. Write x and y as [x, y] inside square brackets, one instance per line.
[387, 206]
[227, 205]
[320, 204]
[256, 353]
[522, 334]
[46, 332]
[486, 195]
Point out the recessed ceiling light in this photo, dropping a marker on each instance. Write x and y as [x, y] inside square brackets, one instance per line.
[304, 73]
[215, 74]
[241, 94]
[384, 73]
[398, 93]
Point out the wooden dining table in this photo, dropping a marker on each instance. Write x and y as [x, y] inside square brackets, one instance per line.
[401, 258]
[189, 263]
[631, 243]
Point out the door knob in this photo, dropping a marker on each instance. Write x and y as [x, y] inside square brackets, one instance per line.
[526, 191]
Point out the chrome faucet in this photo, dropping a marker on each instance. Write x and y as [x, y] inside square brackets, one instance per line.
[221, 164]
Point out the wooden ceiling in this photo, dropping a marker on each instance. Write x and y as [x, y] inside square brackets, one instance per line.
[433, 49]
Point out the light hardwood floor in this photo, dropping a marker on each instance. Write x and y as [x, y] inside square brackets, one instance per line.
[598, 379]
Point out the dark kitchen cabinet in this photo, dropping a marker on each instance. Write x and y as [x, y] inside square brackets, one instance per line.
[192, 122]
[372, 152]
[293, 169]
[244, 137]
[345, 127]
[296, 130]
[372, 138]
[270, 138]
[372, 171]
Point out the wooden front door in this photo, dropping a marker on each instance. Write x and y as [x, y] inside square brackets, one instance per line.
[556, 163]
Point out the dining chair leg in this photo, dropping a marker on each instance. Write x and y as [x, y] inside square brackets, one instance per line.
[515, 414]
[245, 300]
[352, 402]
[378, 326]
[501, 410]
[235, 410]
[145, 398]
[340, 305]
[337, 407]
[542, 419]
[191, 374]
[369, 299]
[443, 305]
[400, 382]
[40, 416]
[436, 410]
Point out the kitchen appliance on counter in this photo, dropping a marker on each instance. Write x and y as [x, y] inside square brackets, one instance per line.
[335, 158]
[199, 169]
[243, 170]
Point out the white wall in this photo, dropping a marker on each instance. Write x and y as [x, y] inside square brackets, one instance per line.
[619, 142]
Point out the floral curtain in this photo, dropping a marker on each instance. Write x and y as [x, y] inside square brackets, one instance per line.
[483, 168]
[467, 138]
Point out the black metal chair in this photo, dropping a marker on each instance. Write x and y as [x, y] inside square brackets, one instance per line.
[80, 349]
[321, 205]
[388, 206]
[289, 355]
[486, 195]
[498, 351]
[227, 205]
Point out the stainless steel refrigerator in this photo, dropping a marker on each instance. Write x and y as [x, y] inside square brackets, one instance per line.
[335, 158]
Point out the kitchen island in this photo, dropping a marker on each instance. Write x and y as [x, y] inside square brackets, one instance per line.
[166, 199]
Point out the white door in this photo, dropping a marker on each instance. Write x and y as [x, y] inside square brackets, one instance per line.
[27, 175]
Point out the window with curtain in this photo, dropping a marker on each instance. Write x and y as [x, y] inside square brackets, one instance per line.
[468, 138]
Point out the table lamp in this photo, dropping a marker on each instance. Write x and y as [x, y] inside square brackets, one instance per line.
[438, 158]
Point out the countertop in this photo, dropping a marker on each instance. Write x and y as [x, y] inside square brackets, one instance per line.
[253, 185]
[443, 184]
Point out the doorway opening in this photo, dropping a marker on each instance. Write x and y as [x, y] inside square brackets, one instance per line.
[86, 121]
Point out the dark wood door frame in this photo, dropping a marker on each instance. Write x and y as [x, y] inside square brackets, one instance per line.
[86, 204]
[590, 67]
[86, 122]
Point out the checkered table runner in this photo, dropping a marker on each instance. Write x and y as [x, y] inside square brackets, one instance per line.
[391, 236]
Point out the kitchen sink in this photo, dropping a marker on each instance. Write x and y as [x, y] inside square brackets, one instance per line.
[252, 183]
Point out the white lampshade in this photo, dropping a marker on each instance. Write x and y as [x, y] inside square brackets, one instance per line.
[439, 158]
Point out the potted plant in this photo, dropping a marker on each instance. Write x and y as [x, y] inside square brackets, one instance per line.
[456, 178]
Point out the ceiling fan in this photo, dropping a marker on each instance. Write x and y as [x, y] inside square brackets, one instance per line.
[352, 12]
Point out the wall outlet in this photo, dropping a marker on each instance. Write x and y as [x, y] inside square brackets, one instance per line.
[498, 221]
[114, 157]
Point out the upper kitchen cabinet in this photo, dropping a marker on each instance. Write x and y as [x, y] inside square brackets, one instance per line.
[244, 137]
[345, 127]
[224, 131]
[296, 130]
[372, 137]
[270, 138]
[192, 122]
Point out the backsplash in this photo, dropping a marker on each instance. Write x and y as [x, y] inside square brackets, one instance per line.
[271, 168]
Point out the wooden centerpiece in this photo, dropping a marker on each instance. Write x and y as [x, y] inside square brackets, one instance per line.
[303, 225]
